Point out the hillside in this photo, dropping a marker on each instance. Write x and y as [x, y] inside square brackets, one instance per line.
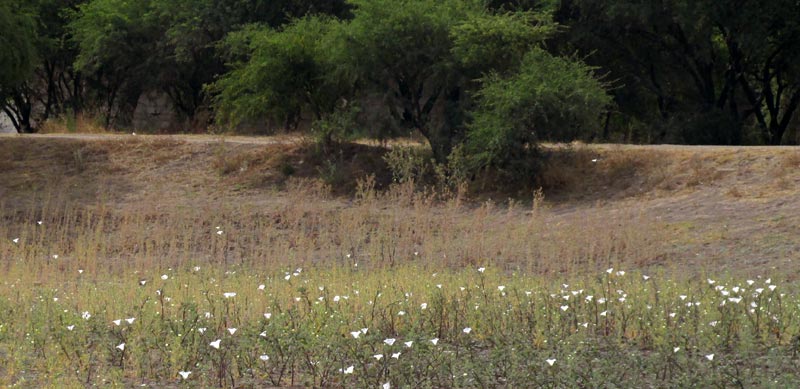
[733, 209]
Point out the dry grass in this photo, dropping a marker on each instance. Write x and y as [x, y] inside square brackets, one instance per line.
[71, 124]
[379, 229]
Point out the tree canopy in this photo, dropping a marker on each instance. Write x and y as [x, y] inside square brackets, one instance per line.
[491, 77]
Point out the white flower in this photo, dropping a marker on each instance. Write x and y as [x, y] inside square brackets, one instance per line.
[86, 315]
[55, 256]
[219, 232]
[263, 334]
[388, 385]
[423, 306]
[481, 269]
[121, 346]
[196, 268]
[564, 307]
[409, 343]
[713, 323]
[355, 334]
[501, 288]
[601, 300]
[164, 277]
[267, 315]
[215, 344]
[435, 341]
[228, 295]
[589, 298]
[396, 355]
[467, 330]
[288, 276]
[264, 357]
[349, 370]
[768, 281]
[604, 313]
[735, 299]
[750, 282]
[232, 330]
[71, 327]
[401, 313]
[683, 297]
[80, 271]
[772, 287]
[142, 282]
[710, 357]
[15, 240]
[711, 282]
[117, 322]
[389, 341]
[550, 361]
[672, 314]
[621, 273]
[646, 277]
[184, 374]
[676, 349]
[261, 287]
[364, 330]
[201, 330]
[378, 357]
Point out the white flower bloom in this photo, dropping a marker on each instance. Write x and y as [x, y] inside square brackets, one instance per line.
[184, 374]
[501, 288]
[121, 346]
[378, 357]
[435, 341]
[423, 306]
[349, 370]
[267, 315]
[232, 330]
[750, 282]
[388, 385]
[389, 341]
[409, 343]
[71, 327]
[355, 334]
[396, 355]
[264, 357]
[564, 307]
[467, 330]
[215, 344]
[261, 287]
[164, 277]
[117, 322]
[550, 361]
[710, 357]
[481, 269]
[228, 295]
[676, 349]
[202, 330]
[86, 315]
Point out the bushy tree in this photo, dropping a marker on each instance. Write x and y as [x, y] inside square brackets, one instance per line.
[549, 98]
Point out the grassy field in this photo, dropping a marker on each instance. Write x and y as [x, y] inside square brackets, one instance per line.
[194, 262]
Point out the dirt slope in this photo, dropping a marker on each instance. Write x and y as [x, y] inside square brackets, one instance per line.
[730, 208]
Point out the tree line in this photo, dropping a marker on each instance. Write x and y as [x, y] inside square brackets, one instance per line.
[485, 78]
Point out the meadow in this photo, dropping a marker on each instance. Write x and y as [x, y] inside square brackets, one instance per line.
[392, 287]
